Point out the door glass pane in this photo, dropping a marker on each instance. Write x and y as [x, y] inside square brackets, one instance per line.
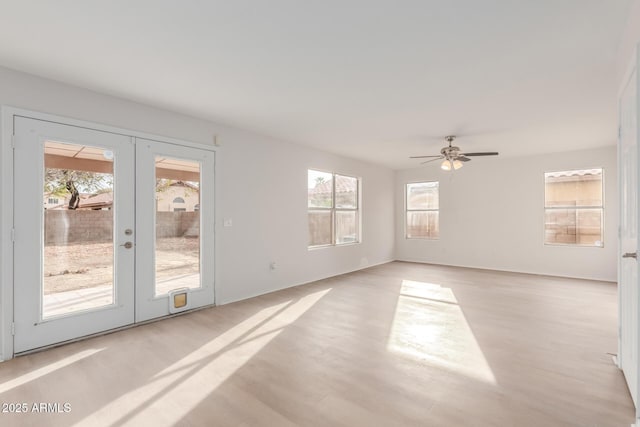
[177, 224]
[78, 228]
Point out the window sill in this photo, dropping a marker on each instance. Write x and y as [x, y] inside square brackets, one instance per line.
[575, 245]
[338, 245]
[422, 238]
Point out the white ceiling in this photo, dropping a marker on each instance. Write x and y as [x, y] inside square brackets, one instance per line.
[374, 80]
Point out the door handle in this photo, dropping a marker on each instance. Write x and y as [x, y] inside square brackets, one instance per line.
[630, 255]
[128, 245]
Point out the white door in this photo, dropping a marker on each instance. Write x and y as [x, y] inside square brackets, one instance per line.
[73, 273]
[175, 226]
[109, 230]
[628, 267]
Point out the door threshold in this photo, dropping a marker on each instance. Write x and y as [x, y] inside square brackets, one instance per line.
[110, 331]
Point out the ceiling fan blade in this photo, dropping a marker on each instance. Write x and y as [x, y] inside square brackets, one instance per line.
[486, 153]
[433, 160]
[422, 157]
[462, 158]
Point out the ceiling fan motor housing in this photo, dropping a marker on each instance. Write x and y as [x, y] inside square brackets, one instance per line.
[450, 152]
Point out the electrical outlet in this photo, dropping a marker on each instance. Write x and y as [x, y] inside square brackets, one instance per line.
[227, 222]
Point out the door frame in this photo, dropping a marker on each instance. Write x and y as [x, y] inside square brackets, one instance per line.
[7, 114]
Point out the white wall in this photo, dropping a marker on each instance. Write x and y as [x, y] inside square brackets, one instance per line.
[630, 39]
[491, 216]
[261, 185]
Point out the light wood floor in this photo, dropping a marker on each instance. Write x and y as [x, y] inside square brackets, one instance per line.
[398, 344]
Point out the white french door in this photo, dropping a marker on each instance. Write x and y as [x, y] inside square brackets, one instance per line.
[174, 204]
[628, 286]
[73, 276]
[109, 230]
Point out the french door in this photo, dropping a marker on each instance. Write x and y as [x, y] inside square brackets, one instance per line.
[628, 286]
[109, 230]
[174, 223]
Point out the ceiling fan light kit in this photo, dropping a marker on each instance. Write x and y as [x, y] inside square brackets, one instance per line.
[448, 164]
[453, 158]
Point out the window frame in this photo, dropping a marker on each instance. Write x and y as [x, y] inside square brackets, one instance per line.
[576, 208]
[407, 210]
[333, 209]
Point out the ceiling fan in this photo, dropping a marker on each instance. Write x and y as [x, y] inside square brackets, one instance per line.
[453, 158]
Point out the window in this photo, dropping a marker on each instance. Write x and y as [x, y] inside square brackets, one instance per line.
[52, 201]
[178, 200]
[573, 207]
[422, 210]
[332, 202]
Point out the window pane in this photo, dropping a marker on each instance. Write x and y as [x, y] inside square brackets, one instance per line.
[78, 228]
[589, 230]
[319, 228]
[346, 227]
[177, 224]
[422, 195]
[560, 226]
[574, 226]
[573, 188]
[346, 192]
[423, 225]
[320, 189]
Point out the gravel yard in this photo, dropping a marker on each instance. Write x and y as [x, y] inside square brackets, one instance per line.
[85, 265]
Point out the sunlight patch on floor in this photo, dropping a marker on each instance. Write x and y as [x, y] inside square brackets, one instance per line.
[430, 326]
[176, 390]
[46, 370]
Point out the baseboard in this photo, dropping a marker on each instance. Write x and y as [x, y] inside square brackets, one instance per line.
[305, 282]
[533, 273]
